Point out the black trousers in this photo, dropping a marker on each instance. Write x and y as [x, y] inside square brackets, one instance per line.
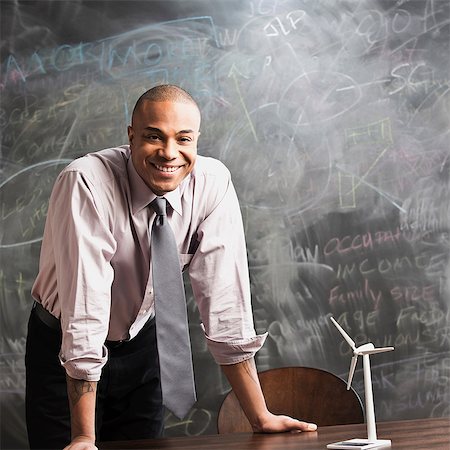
[129, 399]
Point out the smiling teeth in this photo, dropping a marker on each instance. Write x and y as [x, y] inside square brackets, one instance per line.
[166, 169]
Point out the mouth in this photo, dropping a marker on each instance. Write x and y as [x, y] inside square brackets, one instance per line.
[167, 169]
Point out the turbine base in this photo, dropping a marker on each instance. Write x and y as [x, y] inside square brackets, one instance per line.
[360, 444]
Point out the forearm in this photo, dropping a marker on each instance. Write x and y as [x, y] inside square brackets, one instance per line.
[82, 398]
[244, 381]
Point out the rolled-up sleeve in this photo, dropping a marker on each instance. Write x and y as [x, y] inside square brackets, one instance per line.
[83, 247]
[234, 351]
[220, 278]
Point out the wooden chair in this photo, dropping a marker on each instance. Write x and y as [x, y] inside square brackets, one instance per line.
[305, 393]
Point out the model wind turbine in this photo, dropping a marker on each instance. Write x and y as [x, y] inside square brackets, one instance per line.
[365, 350]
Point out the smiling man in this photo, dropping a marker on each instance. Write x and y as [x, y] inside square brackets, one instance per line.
[92, 362]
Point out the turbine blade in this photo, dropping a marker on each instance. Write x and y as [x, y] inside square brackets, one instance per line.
[344, 334]
[376, 350]
[351, 371]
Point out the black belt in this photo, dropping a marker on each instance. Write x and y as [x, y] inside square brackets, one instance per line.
[52, 322]
[49, 319]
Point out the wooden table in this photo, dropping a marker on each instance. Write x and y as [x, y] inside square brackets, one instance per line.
[421, 434]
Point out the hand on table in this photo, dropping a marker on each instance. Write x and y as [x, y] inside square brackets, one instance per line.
[272, 423]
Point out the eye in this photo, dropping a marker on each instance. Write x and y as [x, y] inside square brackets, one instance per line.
[184, 139]
[153, 137]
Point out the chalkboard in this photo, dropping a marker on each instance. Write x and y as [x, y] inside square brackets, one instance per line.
[333, 118]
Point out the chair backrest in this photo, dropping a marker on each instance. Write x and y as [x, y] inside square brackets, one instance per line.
[306, 393]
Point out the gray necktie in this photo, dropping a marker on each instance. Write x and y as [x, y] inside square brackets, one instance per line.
[174, 347]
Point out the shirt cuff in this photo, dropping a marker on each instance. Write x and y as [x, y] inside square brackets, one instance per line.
[88, 369]
[234, 351]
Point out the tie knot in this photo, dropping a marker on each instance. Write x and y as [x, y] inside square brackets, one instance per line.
[159, 205]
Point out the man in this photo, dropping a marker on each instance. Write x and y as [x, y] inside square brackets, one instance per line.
[92, 360]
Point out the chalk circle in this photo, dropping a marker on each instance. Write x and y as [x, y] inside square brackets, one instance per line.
[317, 97]
[24, 199]
[272, 165]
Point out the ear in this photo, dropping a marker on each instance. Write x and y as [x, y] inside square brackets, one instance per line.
[130, 135]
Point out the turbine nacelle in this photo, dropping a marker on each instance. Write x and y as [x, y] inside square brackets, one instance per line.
[363, 349]
[370, 349]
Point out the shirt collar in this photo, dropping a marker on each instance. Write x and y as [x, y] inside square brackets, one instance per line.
[142, 195]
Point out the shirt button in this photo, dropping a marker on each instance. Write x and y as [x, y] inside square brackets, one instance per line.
[144, 311]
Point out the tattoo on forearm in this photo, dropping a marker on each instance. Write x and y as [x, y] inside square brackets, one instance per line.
[250, 367]
[77, 388]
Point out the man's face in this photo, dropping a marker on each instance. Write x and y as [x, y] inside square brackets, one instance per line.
[163, 141]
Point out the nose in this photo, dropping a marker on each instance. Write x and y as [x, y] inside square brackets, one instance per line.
[169, 150]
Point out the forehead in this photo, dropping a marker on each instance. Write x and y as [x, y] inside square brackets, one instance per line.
[182, 115]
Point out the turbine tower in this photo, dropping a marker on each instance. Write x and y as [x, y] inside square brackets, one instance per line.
[365, 350]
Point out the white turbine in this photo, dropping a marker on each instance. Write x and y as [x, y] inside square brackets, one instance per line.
[365, 350]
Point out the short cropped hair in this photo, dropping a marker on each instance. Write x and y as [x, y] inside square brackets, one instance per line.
[165, 93]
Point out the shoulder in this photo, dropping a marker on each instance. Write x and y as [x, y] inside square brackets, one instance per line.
[211, 169]
[210, 182]
[99, 176]
[102, 166]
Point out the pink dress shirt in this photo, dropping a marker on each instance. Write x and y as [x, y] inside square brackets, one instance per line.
[94, 271]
